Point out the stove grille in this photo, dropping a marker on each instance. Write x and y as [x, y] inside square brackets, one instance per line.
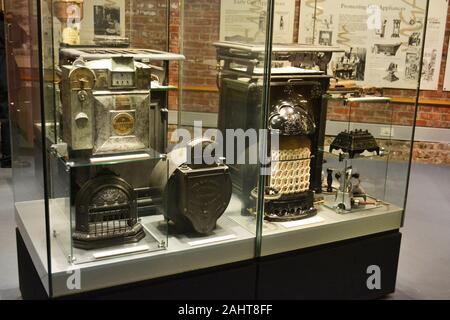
[291, 170]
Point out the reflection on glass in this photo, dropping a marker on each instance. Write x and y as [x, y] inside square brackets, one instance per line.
[26, 129]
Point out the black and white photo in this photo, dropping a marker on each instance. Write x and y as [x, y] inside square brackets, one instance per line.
[396, 28]
[381, 32]
[415, 39]
[412, 66]
[392, 72]
[386, 49]
[106, 21]
[429, 65]
[326, 38]
[351, 65]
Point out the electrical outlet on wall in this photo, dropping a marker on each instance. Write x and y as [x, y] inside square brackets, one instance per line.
[387, 132]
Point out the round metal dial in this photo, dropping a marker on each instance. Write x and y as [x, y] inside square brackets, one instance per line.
[82, 78]
[123, 124]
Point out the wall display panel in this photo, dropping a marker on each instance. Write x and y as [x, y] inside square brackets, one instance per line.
[382, 39]
[447, 74]
[434, 44]
[243, 21]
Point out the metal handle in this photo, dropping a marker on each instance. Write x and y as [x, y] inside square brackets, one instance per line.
[295, 80]
[330, 180]
[8, 33]
[240, 53]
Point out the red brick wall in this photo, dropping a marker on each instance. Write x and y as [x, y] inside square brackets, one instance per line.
[434, 117]
[174, 46]
[371, 113]
[201, 30]
[148, 23]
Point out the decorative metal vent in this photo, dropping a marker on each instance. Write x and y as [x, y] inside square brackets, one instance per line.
[109, 213]
[106, 213]
[290, 117]
[291, 170]
[288, 196]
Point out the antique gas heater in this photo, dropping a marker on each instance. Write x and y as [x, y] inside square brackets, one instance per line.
[109, 105]
[201, 186]
[111, 109]
[297, 114]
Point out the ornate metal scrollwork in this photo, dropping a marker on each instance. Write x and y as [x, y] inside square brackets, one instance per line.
[290, 116]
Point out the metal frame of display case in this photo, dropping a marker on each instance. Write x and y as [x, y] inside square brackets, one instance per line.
[198, 270]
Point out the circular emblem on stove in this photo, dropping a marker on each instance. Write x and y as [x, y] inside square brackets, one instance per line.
[123, 124]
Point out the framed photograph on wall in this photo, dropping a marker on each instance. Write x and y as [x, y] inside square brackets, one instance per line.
[106, 20]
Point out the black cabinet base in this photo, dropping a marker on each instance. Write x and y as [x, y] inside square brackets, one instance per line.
[236, 281]
[336, 271]
[30, 284]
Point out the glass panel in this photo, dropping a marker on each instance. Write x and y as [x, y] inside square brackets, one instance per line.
[400, 148]
[106, 91]
[221, 104]
[26, 130]
[59, 208]
[342, 110]
[159, 162]
[368, 119]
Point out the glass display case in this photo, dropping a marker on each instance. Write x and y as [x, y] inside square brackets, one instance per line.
[159, 137]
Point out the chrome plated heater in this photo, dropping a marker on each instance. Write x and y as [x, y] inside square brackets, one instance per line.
[110, 103]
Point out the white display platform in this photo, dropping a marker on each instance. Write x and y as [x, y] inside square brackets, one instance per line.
[327, 227]
[229, 243]
[232, 241]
